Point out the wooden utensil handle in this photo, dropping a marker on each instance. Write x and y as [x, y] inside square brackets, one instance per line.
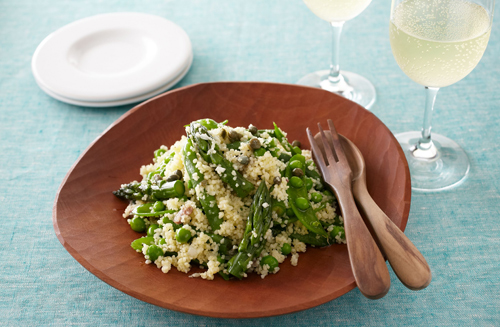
[368, 265]
[406, 261]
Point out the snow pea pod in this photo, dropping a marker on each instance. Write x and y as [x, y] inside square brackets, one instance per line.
[278, 133]
[153, 214]
[297, 193]
[137, 244]
[306, 216]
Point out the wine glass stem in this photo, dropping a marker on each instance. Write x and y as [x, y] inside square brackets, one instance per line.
[335, 76]
[425, 148]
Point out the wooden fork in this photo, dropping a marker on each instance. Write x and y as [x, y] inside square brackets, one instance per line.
[367, 263]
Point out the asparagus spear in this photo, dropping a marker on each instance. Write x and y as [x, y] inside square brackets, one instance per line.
[252, 244]
[208, 202]
[148, 191]
[210, 152]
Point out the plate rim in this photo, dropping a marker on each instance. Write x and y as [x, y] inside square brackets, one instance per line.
[123, 102]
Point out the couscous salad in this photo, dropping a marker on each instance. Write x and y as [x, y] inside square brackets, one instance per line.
[231, 200]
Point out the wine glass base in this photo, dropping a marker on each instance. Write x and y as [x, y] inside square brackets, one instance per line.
[355, 88]
[446, 170]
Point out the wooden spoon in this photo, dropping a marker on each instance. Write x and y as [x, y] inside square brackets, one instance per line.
[405, 259]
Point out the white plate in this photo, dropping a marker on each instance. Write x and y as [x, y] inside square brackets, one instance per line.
[111, 57]
[119, 102]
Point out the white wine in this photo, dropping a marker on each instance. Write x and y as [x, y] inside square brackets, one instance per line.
[337, 10]
[438, 45]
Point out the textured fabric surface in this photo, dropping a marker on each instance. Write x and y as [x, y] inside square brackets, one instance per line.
[280, 41]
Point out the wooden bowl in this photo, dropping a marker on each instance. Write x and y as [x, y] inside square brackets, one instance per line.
[88, 218]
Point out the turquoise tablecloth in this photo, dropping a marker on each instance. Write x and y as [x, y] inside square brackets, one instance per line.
[258, 40]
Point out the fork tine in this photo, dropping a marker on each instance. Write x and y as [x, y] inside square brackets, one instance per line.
[329, 151]
[339, 150]
[315, 148]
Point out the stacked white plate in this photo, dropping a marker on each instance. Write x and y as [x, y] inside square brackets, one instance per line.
[112, 59]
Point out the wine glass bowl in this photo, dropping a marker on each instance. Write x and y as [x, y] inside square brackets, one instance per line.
[335, 10]
[437, 43]
[348, 84]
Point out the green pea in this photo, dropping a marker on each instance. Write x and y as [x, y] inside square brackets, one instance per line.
[296, 164]
[152, 228]
[308, 182]
[286, 249]
[271, 261]
[154, 251]
[162, 241]
[259, 152]
[159, 152]
[182, 235]
[138, 224]
[302, 203]
[336, 230]
[289, 212]
[158, 206]
[327, 193]
[296, 182]
[316, 197]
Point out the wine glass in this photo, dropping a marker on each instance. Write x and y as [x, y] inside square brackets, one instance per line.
[350, 85]
[437, 43]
